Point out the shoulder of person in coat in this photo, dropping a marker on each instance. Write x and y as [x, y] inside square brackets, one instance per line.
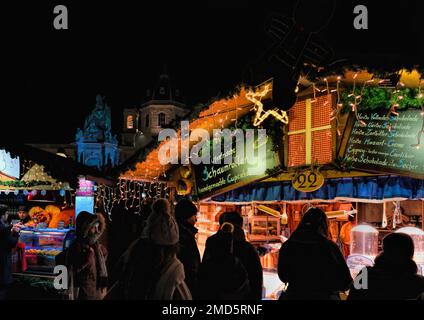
[8, 239]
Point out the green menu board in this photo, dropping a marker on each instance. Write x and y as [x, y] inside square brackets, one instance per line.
[388, 145]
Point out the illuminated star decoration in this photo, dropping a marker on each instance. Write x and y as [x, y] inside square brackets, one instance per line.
[261, 114]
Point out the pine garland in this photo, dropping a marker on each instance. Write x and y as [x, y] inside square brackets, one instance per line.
[24, 184]
[373, 98]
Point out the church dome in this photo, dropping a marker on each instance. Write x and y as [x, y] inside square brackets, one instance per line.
[164, 92]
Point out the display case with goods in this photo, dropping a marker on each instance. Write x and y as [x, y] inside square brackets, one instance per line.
[46, 232]
[264, 228]
[363, 248]
[43, 245]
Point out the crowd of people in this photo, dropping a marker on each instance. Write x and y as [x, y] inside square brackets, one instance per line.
[164, 263]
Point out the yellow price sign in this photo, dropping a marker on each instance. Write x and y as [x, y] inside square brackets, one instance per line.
[308, 181]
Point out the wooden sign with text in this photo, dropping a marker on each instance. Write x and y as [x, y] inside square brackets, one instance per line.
[376, 148]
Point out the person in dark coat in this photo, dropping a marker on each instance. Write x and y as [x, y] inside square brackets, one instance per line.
[222, 275]
[394, 274]
[243, 250]
[86, 259]
[8, 240]
[149, 269]
[189, 255]
[311, 263]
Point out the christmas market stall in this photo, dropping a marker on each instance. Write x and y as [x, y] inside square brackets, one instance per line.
[43, 192]
[353, 148]
[181, 179]
[350, 145]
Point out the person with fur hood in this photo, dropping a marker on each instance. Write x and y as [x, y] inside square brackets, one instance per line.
[150, 269]
[86, 259]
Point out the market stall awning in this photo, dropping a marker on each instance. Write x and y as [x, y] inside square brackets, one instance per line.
[219, 114]
[59, 168]
[365, 189]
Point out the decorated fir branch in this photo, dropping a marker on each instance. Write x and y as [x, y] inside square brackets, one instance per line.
[24, 184]
[373, 98]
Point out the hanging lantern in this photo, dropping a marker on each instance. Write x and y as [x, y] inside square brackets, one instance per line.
[16, 192]
[7, 192]
[43, 192]
[62, 193]
[26, 192]
[34, 192]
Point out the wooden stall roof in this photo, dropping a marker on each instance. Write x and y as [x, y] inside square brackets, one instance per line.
[223, 113]
[220, 114]
[62, 169]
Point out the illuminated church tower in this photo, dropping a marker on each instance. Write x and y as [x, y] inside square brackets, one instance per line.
[96, 146]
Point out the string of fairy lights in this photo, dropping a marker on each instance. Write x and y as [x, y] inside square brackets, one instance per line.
[396, 97]
[132, 194]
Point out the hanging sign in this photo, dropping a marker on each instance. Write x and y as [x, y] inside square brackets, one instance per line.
[308, 181]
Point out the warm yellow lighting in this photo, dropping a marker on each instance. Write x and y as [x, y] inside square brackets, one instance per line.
[261, 115]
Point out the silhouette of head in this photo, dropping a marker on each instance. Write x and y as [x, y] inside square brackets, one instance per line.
[232, 217]
[185, 210]
[314, 220]
[398, 245]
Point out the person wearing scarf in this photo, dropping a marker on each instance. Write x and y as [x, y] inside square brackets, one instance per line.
[86, 259]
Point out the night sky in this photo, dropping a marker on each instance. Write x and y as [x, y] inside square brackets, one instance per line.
[118, 48]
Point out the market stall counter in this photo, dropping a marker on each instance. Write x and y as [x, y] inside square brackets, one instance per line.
[42, 246]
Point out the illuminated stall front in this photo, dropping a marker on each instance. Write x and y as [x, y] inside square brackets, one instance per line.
[323, 153]
[43, 205]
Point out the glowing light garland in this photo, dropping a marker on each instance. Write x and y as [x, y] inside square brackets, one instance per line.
[261, 114]
[132, 193]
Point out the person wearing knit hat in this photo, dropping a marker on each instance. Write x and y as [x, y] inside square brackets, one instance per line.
[394, 274]
[161, 228]
[150, 269]
[189, 255]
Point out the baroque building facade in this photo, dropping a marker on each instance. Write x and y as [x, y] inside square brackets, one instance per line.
[95, 145]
